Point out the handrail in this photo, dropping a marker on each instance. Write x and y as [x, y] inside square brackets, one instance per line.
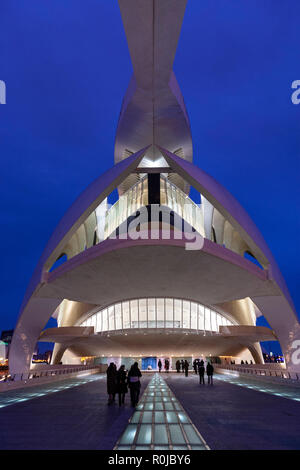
[283, 374]
[46, 373]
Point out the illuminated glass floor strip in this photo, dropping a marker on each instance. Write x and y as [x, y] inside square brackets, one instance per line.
[280, 390]
[160, 423]
[12, 397]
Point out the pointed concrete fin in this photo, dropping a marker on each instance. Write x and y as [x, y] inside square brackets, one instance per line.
[231, 209]
[93, 195]
[222, 200]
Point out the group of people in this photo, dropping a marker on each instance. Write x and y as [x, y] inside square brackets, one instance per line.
[118, 382]
[182, 366]
[167, 365]
[199, 368]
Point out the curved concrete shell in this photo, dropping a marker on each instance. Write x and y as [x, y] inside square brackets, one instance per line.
[129, 252]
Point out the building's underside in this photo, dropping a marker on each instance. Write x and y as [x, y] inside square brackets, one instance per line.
[188, 281]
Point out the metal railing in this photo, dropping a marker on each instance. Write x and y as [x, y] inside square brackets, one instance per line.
[46, 373]
[283, 374]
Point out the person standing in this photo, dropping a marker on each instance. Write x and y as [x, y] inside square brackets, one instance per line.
[201, 371]
[186, 368]
[210, 373]
[159, 365]
[134, 383]
[195, 365]
[122, 384]
[178, 366]
[167, 365]
[182, 365]
[111, 375]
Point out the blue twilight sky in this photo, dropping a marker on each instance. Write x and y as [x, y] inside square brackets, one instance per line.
[66, 66]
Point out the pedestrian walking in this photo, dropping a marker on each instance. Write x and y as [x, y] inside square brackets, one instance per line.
[201, 371]
[186, 368]
[167, 365]
[159, 365]
[134, 383]
[122, 384]
[210, 373]
[111, 377]
[178, 366]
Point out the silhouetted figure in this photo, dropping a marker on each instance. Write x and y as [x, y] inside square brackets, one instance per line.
[186, 368]
[167, 365]
[182, 365]
[209, 372]
[242, 362]
[201, 371]
[134, 383]
[246, 362]
[111, 374]
[178, 366]
[122, 384]
[159, 365]
[195, 365]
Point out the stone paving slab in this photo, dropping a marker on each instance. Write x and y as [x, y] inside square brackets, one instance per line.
[76, 418]
[231, 417]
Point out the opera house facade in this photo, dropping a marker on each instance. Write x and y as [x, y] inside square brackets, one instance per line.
[158, 274]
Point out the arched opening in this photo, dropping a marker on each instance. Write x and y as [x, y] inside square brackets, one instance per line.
[250, 257]
[60, 260]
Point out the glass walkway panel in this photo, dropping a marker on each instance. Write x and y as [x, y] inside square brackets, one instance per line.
[160, 423]
[12, 397]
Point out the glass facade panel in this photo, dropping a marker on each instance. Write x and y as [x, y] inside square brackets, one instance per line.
[169, 313]
[194, 314]
[186, 314]
[118, 316]
[134, 313]
[125, 308]
[177, 313]
[143, 313]
[151, 313]
[156, 313]
[160, 313]
[213, 321]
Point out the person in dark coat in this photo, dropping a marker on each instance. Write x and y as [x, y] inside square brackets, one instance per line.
[122, 384]
[195, 365]
[182, 365]
[186, 368]
[201, 371]
[210, 373]
[111, 374]
[159, 365]
[134, 383]
[178, 366]
[167, 365]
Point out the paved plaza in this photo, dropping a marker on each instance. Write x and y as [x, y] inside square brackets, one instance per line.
[73, 414]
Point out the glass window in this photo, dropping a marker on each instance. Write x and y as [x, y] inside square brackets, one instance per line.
[134, 312]
[143, 313]
[207, 322]
[151, 313]
[104, 320]
[125, 308]
[177, 313]
[156, 313]
[111, 318]
[160, 313]
[201, 318]
[118, 315]
[169, 313]
[194, 315]
[213, 321]
[186, 314]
